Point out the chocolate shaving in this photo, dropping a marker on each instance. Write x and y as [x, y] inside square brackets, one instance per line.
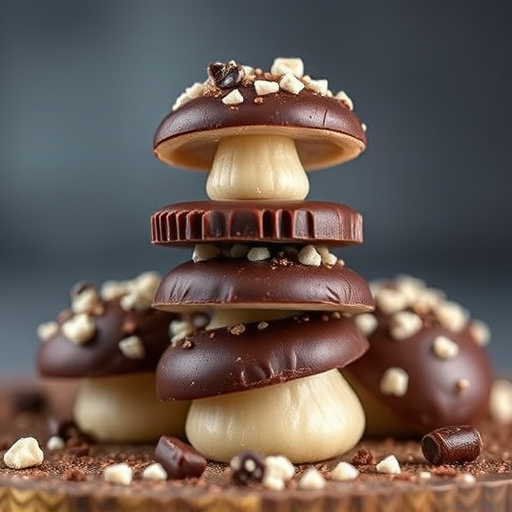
[226, 74]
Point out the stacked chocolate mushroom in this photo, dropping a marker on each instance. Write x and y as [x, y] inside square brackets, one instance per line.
[263, 374]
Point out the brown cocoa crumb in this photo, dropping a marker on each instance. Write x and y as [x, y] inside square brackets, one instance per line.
[258, 100]
[405, 476]
[444, 471]
[128, 327]
[187, 343]
[77, 446]
[363, 457]
[74, 475]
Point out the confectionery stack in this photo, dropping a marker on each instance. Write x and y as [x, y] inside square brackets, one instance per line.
[263, 374]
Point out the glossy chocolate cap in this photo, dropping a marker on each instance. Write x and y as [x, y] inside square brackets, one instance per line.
[258, 354]
[306, 222]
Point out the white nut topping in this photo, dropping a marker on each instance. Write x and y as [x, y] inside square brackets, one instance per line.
[179, 329]
[24, 453]
[451, 315]
[480, 332]
[118, 474]
[111, 290]
[55, 443]
[283, 65]
[462, 385]
[389, 300]
[404, 324]
[146, 283]
[291, 84]
[258, 254]
[136, 300]
[328, 258]
[309, 256]
[47, 330]
[427, 300]
[343, 97]
[394, 381]
[364, 127]
[233, 98]
[85, 300]
[79, 329]
[238, 251]
[500, 404]
[388, 465]
[279, 466]
[263, 87]
[274, 483]
[154, 471]
[312, 479]
[411, 287]
[204, 252]
[466, 478]
[132, 347]
[344, 471]
[445, 348]
[424, 475]
[319, 86]
[366, 323]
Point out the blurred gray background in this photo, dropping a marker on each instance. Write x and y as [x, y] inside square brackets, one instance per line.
[83, 86]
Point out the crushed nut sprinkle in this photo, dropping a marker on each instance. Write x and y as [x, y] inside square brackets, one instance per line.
[312, 479]
[24, 453]
[233, 98]
[404, 324]
[154, 471]
[343, 472]
[367, 323]
[389, 465]
[291, 84]
[79, 329]
[132, 347]
[47, 330]
[264, 87]
[121, 474]
[237, 329]
[445, 348]
[394, 381]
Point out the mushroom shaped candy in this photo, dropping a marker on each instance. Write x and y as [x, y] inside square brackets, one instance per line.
[111, 340]
[257, 132]
[426, 367]
[269, 386]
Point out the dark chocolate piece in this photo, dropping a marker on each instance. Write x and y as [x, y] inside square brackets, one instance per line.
[226, 74]
[264, 284]
[101, 355]
[305, 222]
[179, 459]
[452, 445]
[257, 354]
[247, 468]
[325, 131]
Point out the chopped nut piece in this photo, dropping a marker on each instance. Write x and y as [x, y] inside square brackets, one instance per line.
[390, 301]
[424, 475]
[233, 98]
[237, 329]
[344, 471]
[238, 251]
[500, 404]
[274, 483]
[24, 453]
[154, 471]
[146, 283]
[394, 381]
[79, 329]
[309, 256]
[411, 287]
[282, 66]
[258, 254]
[84, 300]
[366, 323]
[279, 466]
[462, 384]
[262, 325]
[55, 443]
[319, 86]
[480, 332]
[389, 465]
[452, 316]
[328, 258]
[113, 289]
[290, 83]
[265, 87]
[312, 479]
[136, 300]
[364, 127]
[445, 348]
[47, 330]
[132, 347]
[204, 252]
[344, 98]
[404, 324]
[118, 474]
[466, 478]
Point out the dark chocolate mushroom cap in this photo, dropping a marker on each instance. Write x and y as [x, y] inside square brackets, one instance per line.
[257, 354]
[438, 374]
[105, 337]
[325, 129]
[317, 222]
[276, 283]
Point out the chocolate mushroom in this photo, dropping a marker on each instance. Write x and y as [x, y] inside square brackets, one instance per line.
[257, 132]
[111, 340]
[426, 367]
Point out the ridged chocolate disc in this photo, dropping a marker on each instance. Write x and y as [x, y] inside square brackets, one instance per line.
[305, 222]
[262, 285]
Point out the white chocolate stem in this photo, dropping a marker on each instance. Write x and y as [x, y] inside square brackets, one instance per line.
[257, 167]
[308, 419]
[225, 317]
[124, 408]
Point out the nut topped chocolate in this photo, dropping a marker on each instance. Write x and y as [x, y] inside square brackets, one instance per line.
[426, 367]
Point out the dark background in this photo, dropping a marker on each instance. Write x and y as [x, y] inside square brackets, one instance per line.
[83, 86]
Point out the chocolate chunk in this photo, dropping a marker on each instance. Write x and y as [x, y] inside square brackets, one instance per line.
[226, 74]
[247, 468]
[179, 459]
[305, 222]
[221, 361]
[452, 445]
[224, 283]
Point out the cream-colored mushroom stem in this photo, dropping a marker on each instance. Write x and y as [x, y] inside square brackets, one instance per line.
[307, 420]
[257, 167]
[124, 408]
[225, 317]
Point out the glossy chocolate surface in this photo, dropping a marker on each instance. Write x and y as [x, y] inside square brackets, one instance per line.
[280, 283]
[101, 355]
[325, 131]
[254, 355]
[257, 221]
